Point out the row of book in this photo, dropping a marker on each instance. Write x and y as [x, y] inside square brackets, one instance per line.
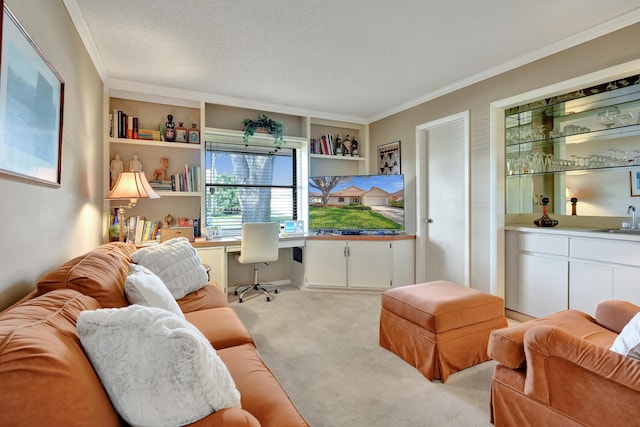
[323, 145]
[186, 180]
[142, 231]
[122, 125]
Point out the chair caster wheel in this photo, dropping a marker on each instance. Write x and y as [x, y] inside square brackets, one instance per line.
[240, 301]
[275, 291]
[235, 292]
[268, 299]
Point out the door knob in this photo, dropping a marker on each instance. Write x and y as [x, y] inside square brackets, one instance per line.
[429, 220]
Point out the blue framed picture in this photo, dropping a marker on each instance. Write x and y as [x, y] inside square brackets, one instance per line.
[31, 105]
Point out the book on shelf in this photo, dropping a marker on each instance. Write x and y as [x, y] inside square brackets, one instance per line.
[141, 230]
[160, 185]
[186, 180]
[122, 125]
[323, 145]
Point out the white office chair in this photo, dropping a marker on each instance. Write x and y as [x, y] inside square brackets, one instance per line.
[259, 244]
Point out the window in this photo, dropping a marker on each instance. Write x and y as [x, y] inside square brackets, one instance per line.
[248, 184]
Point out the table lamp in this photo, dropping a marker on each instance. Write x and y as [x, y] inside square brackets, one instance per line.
[131, 185]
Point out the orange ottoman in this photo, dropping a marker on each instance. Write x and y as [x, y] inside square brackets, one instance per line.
[439, 327]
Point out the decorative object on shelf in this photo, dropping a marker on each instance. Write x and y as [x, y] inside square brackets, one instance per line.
[346, 146]
[194, 134]
[545, 220]
[135, 165]
[389, 158]
[161, 174]
[115, 168]
[31, 146]
[634, 182]
[170, 129]
[168, 220]
[574, 206]
[263, 124]
[114, 228]
[131, 185]
[573, 199]
[181, 133]
[354, 147]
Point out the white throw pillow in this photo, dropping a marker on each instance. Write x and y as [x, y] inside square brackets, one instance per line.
[176, 263]
[145, 288]
[158, 369]
[628, 342]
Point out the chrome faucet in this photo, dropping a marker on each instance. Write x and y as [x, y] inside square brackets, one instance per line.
[632, 210]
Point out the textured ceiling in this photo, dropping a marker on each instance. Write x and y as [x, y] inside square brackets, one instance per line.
[358, 59]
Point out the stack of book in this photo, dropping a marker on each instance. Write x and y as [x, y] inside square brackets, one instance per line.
[158, 185]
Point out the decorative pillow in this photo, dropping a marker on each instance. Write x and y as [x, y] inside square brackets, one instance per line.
[145, 288]
[157, 368]
[176, 263]
[628, 342]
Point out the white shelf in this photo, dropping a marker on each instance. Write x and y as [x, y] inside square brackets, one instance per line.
[336, 157]
[162, 144]
[178, 193]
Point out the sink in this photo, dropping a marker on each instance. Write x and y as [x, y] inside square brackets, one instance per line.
[622, 230]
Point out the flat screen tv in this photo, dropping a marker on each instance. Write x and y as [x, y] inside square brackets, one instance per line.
[355, 204]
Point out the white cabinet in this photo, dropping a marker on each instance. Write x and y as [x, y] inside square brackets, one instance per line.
[537, 273]
[589, 285]
[216, 258]
[547, 272]
[543, 284]
[326, 263]
[364, 264]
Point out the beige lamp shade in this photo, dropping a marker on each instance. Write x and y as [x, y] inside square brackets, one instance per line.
[132, 185]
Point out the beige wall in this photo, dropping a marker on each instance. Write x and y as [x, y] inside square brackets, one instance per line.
[598, 54]
[41, 226]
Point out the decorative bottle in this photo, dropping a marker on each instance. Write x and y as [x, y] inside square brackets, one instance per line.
[170, 129]
[194, 134]
[181, 133]
[545, 220]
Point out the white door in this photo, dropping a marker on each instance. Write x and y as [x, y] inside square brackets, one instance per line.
[442, 188]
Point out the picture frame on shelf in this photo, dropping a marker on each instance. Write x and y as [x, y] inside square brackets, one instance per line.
[389, 158]
[634, 182]
[31, 107]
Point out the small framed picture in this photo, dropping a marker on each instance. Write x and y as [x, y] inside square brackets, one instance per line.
[634, 182]
[389, 158]
[194, 136]
[181, 135]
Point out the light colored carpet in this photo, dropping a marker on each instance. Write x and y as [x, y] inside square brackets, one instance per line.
[323, 348]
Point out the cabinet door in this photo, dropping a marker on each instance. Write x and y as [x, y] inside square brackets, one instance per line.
[511, 281]
[626, 284]
[543, 285]
[326, 264]
[403, 263]
[369, 264]
[589, 285]
[216, 258]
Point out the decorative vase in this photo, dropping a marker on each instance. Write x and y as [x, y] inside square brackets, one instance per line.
[545, 220]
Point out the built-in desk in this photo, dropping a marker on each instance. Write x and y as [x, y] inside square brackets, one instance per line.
[324, 261]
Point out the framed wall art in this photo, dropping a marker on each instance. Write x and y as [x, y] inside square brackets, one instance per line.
[31, 101]
[634, 182]
[389, 158]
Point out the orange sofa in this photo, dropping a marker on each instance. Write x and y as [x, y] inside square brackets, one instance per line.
[558, 371]
[46, 378]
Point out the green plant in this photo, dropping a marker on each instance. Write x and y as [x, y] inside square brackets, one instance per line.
[274, 127]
